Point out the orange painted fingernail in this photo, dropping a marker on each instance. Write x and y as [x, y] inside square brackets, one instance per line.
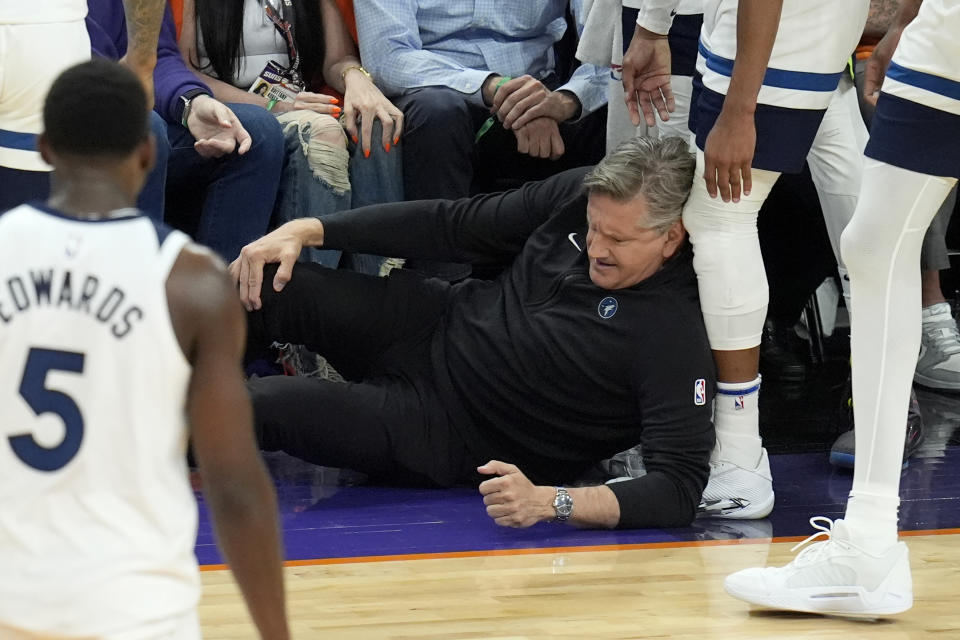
[396, 140]
[355, 140]
[334, 101]
[366, 154]
[388, 147]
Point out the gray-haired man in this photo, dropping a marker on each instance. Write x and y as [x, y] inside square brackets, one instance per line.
[589, 342]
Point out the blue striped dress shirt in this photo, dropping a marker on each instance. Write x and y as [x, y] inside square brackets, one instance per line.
[410, 44]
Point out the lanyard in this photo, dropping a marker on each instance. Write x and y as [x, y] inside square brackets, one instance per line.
[286, 30]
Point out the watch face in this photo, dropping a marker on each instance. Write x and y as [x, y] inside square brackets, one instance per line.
[563, 504]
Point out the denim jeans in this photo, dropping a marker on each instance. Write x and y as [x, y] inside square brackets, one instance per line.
[224, 202]
[374, 180]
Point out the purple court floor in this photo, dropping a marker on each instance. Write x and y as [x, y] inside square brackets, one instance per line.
[321, 518]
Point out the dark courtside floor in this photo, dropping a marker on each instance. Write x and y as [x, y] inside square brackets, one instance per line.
[321, 519]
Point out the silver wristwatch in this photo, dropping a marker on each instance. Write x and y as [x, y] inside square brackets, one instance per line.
[562, 504]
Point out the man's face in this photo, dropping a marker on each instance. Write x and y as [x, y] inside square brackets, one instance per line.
[621, 249]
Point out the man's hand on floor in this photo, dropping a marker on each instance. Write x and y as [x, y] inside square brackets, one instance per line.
[511, 499]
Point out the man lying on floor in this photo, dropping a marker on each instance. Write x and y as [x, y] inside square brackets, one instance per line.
[589, 342]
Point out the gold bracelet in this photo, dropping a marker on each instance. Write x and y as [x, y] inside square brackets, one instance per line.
[343, 74]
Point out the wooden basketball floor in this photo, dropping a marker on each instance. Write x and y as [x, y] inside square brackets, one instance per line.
[369, 562]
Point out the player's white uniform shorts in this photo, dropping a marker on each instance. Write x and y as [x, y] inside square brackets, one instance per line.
[186, 627]
[32, 56]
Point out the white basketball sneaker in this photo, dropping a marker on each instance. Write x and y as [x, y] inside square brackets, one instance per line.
[739, 493]
[833, 576]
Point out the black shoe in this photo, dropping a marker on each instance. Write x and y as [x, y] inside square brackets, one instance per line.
[843, 449]
[783, 355]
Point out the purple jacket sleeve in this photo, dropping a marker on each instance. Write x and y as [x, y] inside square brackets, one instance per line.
[172, 78]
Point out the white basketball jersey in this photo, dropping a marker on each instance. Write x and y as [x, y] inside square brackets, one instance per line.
[928, 57]
[41, 11]
[814, 41]
[97, 518]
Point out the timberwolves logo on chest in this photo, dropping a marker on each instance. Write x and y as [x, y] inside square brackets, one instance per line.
[608, 307]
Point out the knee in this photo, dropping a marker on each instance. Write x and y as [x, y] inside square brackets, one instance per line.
[265, 133]
[434, 107]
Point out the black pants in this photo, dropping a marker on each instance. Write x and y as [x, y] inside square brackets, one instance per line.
[389, 421]
[441, 158]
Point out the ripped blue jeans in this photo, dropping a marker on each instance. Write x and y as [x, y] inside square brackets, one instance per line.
[319, 178]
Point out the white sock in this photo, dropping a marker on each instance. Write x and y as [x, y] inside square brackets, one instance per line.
[872, 520]
[736, 417]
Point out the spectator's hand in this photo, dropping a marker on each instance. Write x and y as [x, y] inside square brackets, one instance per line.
[523, 99]
[282, 245]
[310, 101]
[877, 64]
[364, 102]
[511, 499]
[646, 77]
[728, 154]
[144, 72]
[540, 138]
[216, 128]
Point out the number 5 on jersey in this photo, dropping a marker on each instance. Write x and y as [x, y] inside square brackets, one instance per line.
[33, 388]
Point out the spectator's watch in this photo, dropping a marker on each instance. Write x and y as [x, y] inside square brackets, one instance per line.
[187, 98]
[562, 504]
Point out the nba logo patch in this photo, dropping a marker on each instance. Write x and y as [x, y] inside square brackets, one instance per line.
[700, 392]
[738, 403]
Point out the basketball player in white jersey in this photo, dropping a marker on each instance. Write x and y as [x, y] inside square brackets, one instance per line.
[118, 340]
[912, 161]
[38, 40]
[770, 70]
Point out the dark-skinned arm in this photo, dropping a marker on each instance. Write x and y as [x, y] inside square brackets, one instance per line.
[730, 145]
[879, 61]
[212, 331]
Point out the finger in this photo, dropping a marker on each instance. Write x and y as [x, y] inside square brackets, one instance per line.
[254, 282]
[667, 90]
[350, 122]
[532, 113]
[366, 132]
[321, 98]
[493, 497]
[497, 467]
[499, 511]
[643, 100]
[630, 97]
[284, 271]
[557, 144]
[521, 100]
[747, 180]
[234, 271]
[710, 176]
[398, 126]
[723, 182]
[386, 137]
[523, 107]
[504, 91]
[523, 142]
[242, 282]
[223, 115]
[735, 184]
[660, 103]
[212, 147]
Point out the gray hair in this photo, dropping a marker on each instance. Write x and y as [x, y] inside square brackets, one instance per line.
[660, 170]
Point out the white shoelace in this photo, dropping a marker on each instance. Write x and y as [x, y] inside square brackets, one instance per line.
[813, 552]
[945, 337]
